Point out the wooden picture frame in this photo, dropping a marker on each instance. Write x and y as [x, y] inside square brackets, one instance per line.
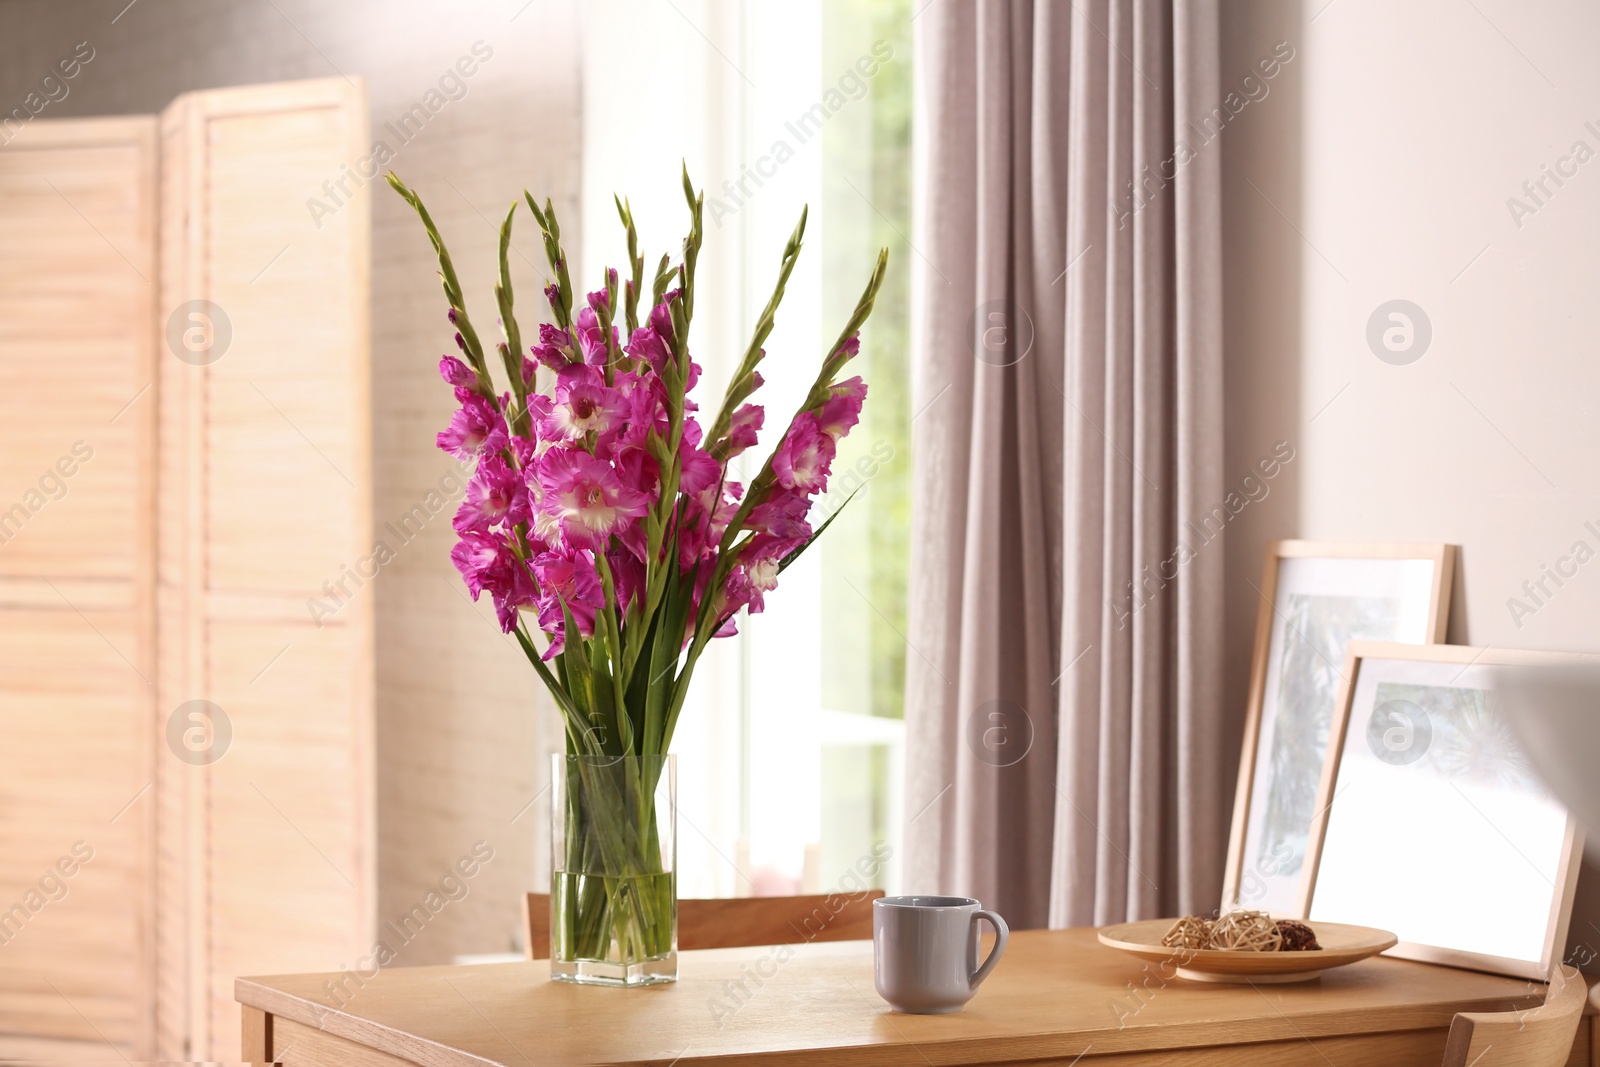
[1460, 803]
[1292, 569]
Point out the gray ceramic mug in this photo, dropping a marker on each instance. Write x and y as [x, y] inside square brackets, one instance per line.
[925, 951]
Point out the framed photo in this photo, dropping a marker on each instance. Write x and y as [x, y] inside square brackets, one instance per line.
[1316, 597]
[1431, 823]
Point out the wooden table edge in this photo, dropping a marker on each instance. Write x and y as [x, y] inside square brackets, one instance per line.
[260, 1003]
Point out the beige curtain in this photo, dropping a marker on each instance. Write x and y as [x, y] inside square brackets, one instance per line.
[1062, 705]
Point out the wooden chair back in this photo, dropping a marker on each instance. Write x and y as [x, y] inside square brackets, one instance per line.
[1538, 1037]
[738, 922]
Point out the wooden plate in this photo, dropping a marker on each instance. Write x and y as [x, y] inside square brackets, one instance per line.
[1341, 944]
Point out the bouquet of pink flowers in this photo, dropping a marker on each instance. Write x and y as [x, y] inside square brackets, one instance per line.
[602, 511]
[603, 515]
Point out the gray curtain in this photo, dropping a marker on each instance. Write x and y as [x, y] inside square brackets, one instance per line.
[1062, 706]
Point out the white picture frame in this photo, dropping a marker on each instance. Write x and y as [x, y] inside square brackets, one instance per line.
[1431, 821]
[1315, 597]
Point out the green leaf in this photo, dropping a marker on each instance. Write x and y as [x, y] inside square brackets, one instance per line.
[570, 715]
[795, 554]
[580, 681]
[606, 622]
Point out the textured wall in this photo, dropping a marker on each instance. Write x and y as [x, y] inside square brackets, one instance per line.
[460, 719]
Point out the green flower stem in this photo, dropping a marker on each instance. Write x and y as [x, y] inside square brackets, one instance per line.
[511, 351]
[742, 383]
[635, 263]
[613, 847]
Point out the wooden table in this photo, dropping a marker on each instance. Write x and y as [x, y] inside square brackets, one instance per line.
[1058, 998]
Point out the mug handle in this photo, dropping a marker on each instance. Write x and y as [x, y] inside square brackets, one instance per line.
[1002, 935]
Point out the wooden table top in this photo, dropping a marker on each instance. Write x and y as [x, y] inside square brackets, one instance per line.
[1058, 994]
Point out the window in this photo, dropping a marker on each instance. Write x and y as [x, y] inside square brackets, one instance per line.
[791, 746]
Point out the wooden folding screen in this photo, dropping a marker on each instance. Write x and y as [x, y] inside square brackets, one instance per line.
[186, 737]
[77, 651]
[265, 498]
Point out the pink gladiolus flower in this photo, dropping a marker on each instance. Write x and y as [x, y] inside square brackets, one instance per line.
[650, 346]
[584, 404]
[551, 349]
[638, 470]
[549, 355]
[842, 410]
[749, 583]
[627, 575]
[725, 510]
[539, 407]
[476, 429]
[519, 593]
[529, 449]
[571, 581]
[805, 456]
[484, 561]
[661, 314]
[627, 383]
[591, 338]
[698, 534]
[646, 412]
[762, 574]
[699, 473]
[694, 376]
[754, 577]
[763, 547]
[487, 565]
[543, 527]
[587, 497]
[782, 514]
[495, 496]
[742, 430]
[457, 373]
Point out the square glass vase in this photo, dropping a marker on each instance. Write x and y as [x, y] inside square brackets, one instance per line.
[613, 878]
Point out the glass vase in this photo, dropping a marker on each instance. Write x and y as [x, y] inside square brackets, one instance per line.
[613, 883]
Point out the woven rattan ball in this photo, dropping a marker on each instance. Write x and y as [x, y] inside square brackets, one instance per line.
[1246, 931]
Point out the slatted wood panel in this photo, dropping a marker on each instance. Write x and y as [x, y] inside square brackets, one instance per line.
[77, 702]
[266, 497]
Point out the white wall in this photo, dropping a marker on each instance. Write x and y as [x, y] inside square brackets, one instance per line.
[1378, 167]
[459, 744]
